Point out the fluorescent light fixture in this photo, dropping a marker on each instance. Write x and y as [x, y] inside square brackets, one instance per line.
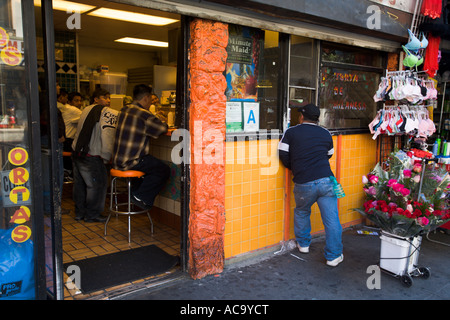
[131, 16]
[144, 42]
[67, 6]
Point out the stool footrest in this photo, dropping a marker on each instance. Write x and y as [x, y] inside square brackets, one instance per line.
[128, 213]
[115, 206]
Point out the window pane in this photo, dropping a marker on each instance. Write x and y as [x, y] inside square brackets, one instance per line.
[303, 62]
[252, 79]
[351, 55]
[349, 79]
[346, 97]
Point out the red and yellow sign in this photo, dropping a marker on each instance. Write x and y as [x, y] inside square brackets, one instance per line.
[9, 53]
[21, 215]
[18, 156]
[11, 56]
[20, 194]
[21, 234]
[4, 37]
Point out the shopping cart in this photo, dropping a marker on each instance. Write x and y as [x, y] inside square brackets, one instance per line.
[399, 258]
[399, 255]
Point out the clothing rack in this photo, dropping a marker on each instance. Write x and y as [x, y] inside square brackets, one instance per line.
[415, 74]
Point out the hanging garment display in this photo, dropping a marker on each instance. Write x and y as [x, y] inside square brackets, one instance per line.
[406, 87]
[403, 119]
[431, 8]
[431, 64]
[414, 44]
[412, 60]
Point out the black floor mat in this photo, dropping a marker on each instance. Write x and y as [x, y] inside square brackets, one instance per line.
[121, 267]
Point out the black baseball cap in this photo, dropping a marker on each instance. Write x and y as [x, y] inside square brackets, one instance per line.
[310, 111]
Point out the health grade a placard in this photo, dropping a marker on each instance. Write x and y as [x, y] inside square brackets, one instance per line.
[251, 116]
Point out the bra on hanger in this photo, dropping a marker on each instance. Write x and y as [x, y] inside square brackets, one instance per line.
[411, 59]
[414, 43]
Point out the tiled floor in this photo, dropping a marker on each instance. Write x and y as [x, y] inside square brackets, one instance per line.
[83, 240]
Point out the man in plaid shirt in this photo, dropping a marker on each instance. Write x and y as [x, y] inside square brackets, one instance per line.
[136, 125]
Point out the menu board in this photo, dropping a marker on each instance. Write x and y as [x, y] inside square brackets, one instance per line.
[347, 97]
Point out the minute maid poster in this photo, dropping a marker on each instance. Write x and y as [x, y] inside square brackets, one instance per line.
[244, 55]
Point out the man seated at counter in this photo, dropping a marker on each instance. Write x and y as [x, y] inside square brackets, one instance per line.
[135, 126]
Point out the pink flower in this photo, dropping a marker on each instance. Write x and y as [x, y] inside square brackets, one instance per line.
[407, 173]
[423, 221]
[416, 179]
[371, 191]
[391, 182]
[405, 192]
[397, 187]
[409, 208]
[417, 168]
[373, 179]
[364, 180]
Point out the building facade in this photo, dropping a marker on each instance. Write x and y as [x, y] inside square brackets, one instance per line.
[239, 65]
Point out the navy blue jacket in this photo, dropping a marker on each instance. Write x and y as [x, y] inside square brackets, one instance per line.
[305, 149]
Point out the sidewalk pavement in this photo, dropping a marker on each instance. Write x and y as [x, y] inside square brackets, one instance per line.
[290, 275]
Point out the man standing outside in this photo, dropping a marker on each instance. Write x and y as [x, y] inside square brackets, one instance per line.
[135, 126]
[92, 149]
[306, 149]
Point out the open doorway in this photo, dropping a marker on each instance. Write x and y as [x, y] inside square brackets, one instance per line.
[90, 53]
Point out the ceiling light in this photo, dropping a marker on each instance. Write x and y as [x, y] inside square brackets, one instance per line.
[131, 17]
[144, 42]
[67, 6]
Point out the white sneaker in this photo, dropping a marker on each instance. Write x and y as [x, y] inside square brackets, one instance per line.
[335, 262]
[303, 249]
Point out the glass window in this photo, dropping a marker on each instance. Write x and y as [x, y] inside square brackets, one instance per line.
[349, 79]
[16, 210]
[252, 71]
[303, 66]
[302, 74]
[351, 55]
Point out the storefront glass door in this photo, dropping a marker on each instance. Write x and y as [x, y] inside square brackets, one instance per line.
[22, 270]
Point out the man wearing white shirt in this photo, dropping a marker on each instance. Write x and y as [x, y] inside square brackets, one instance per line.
[71, 114]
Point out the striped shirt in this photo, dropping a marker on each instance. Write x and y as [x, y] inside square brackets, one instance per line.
[135, 127]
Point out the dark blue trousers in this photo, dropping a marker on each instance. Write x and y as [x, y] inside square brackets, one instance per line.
[90, 183]
[156, 175]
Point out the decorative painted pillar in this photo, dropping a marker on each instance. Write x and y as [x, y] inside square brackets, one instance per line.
[208, 55]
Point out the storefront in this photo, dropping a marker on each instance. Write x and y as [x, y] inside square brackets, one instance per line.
[233, 72]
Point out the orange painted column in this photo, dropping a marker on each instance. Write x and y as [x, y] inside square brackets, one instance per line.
[207, 52]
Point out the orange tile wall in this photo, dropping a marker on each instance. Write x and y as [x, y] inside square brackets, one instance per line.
[254, 203]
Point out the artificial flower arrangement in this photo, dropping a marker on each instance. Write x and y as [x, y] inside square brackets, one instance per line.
[393, 201]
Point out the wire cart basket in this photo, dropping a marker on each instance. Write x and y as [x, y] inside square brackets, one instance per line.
[399, 255]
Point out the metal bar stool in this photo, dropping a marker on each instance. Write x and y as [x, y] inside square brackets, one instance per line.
[115, 207]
